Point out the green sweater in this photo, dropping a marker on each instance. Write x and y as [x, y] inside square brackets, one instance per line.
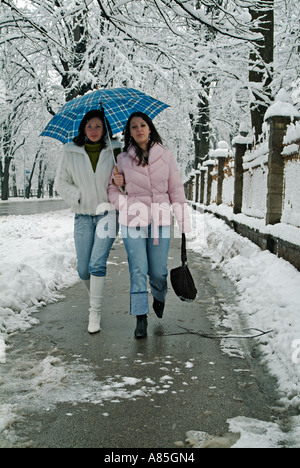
[94, 150]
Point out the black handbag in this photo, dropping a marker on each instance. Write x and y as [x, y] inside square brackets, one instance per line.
[181, 278]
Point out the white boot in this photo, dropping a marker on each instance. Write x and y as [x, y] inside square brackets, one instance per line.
[96, 295]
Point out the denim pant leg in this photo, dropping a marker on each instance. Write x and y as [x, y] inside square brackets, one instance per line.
[106, 231]
[157, 263]
[84, 231]
[92, 246]
[135, 241]
[146, 258]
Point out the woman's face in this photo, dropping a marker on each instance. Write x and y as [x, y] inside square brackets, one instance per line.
[94, 130]
[140, 131]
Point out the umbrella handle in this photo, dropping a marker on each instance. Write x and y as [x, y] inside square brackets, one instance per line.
[122, 189]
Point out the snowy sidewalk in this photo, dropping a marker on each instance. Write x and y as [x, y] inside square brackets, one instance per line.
[167, 385]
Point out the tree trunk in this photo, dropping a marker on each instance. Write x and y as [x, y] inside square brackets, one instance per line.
[5, 178]
[204, 130]
[201, 125]
[42, 170]
[14, 181]
[51, 188]
[261, 60]
[80, 39]
[28, 188]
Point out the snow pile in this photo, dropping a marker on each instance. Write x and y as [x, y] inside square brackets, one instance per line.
[222, 150]
[282, 106]
[2, 350]
[261, 434]
[248, 433]
[282, 230]
[291, 140]
[257, 157]
[291, 201]
[37, 259]
[268, 296]
[292, 133]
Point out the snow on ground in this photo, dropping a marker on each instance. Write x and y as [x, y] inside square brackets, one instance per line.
[248, 433]
[52, 381]
[268, 297]
[37, 259]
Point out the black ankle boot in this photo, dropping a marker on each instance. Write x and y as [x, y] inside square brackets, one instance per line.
[141, 326]
[158, 308]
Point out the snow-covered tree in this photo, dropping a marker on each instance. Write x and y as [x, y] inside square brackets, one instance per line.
[210, 60]
[240, 33]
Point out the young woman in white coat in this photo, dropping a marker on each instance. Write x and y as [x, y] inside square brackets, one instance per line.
[153, 185]
[82, 181]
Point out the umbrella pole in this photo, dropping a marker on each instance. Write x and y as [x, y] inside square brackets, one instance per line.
[111, 148]
[112, 152]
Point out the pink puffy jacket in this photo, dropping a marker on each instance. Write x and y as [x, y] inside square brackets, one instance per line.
[150, 191]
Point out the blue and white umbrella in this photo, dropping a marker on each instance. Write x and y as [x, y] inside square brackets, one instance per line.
[118, 104]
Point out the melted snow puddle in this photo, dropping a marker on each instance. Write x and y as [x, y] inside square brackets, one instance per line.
[40, 385]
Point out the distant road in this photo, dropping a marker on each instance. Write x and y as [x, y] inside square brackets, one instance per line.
[31, 206]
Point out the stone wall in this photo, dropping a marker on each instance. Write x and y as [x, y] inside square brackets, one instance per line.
[264, 182]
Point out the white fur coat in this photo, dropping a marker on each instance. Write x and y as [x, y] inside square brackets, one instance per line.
[84, 190]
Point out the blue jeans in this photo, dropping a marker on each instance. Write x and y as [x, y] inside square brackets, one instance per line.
[144, 259]
[94, 237]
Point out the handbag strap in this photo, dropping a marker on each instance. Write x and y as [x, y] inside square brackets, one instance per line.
[183, 250]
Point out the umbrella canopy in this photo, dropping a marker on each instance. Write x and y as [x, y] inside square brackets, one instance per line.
[118, 104]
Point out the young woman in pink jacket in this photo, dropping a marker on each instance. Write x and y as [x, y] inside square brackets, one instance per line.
[153, 185]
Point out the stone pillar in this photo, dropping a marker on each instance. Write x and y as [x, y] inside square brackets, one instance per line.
[210, 165]
[220, 154]
[192, 181]
[187, 189]
[197, 188]
[242, 144]
[202, 184]
[278, 127]
[279, 116]
[221, 160]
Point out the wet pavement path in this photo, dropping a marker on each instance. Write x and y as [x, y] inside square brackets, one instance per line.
[70, 389]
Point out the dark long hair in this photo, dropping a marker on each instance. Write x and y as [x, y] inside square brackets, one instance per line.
[154, 137]
[80, 139]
